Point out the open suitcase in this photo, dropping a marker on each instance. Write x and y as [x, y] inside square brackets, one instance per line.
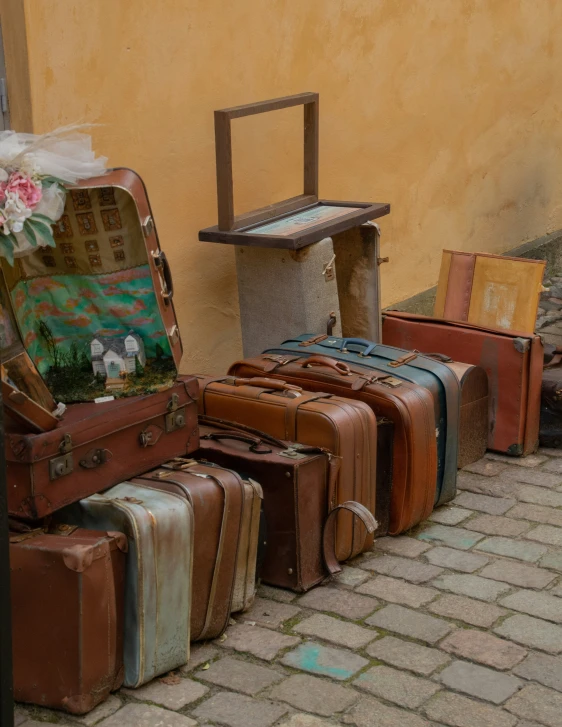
[408, 406]
[67, 617]
[403, 364]
[158, 591]
[226, 511]
[513, 362]
[343, 427]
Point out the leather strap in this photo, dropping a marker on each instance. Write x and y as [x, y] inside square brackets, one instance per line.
[329, 535]
[292, 409]
[313, 340]
[403, 360]
[556, 359]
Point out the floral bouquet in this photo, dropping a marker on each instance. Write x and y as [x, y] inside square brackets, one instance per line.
[33, 172]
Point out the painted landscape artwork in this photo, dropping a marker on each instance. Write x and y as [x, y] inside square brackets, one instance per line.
[60, 315]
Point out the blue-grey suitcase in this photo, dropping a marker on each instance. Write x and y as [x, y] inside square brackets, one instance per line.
[410, 366]
[159, 527]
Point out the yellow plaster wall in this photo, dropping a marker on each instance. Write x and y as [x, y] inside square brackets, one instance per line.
[447, 109]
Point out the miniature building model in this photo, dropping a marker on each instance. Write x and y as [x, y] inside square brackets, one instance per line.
[113, 355]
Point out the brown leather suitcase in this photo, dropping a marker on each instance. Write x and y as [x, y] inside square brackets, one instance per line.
[98, 446]
[226, 511]
[344, 427]
[513, 363]
[408, 406]
[67, 617]
[385, 450]
[473, 428]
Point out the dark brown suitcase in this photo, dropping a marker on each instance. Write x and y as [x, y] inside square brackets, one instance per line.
[218, 497]
[298, 484]
[98, 446]
[409, 407]
[344, 427]
[513, 362]
[550, 434]
[67, 617]
[385, 450]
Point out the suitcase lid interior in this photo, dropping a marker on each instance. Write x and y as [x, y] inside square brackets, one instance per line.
[99, 301]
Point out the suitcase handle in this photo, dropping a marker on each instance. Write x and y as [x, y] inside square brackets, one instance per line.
[329, 535]
[331, 363]
[369, 345]
[254, 442]
[262, 383]
[436, 356]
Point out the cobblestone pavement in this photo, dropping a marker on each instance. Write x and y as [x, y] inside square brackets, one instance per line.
[457, 623]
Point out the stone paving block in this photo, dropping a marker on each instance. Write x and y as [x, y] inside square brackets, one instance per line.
[449, 515]
[552, 560]
[556, 591]
[485, 467]
[468, 610]
[478, 681]
[456, 559]
[314, 695]
[483, 589]
[145, 715]
[336, 631]
[351, 577]
[407, 655]
[102, 711]
[453, 537]
[532, 477]
[541, 604]
[536, 513]
[305, 720]
[549, 452]
[369, 712]
[517, 574]
[553, 465]
[171, 696]
[199, 654]
[537, 495]
[326, 661]
[276, 594]
[484, 503]
[532, 460]
[270, 614]
[452, 709]
[484, 648]
[492, 486]
[396, 591]
[263, 643]
[337, 600]
[401, 545]
[241, 676]
[237, 710]
[533, 632]
[518, 549]
[410, 570]
[546, 670]
[546, 534]
[538, 703]
[21, 716]
[495, 525]
[404, 621]
[396, 686]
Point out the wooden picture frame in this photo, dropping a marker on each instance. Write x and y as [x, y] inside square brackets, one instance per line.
[292, 223]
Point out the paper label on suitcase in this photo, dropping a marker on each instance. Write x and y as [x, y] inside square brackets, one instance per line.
[88, 310]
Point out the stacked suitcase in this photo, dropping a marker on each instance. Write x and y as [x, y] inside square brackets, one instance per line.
[156, 514]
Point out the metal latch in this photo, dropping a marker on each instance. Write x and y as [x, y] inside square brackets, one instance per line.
[63, 465]
[328, 271]
[292, 453]
[175, 420]
[95, 458]
[174, 335]
[147, 226]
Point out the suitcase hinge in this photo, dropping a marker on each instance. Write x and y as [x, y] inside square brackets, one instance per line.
[63, 465]
[147, 226]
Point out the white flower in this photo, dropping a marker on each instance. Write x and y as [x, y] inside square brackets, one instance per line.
[15, 212]
[51, 203]
[3, 175]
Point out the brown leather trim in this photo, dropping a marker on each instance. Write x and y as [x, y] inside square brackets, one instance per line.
[329, 534]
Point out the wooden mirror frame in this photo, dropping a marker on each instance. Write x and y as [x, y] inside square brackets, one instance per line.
[225, 183]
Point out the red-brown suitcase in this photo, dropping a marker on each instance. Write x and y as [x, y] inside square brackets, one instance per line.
[408, 406]
[222, 530]
[97, 446]
[512, 360]
[67, 617]
[344, 427]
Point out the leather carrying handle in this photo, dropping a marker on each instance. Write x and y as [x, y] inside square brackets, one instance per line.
[237, 427]
[436, 356]
[263, 383]
[329, 535]
[254, 442]
[339, 366]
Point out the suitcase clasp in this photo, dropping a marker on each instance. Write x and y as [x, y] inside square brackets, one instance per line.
[63, 465]
[95, 458]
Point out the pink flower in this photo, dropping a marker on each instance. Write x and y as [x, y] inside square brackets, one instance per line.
[27, 191]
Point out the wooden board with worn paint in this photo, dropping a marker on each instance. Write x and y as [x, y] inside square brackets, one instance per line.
[301, 220]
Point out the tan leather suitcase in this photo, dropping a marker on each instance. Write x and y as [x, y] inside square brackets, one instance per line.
[408, 406]
[344, 427]
[226, 511]
[473, 427]
[513, 363]
[67, 617]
